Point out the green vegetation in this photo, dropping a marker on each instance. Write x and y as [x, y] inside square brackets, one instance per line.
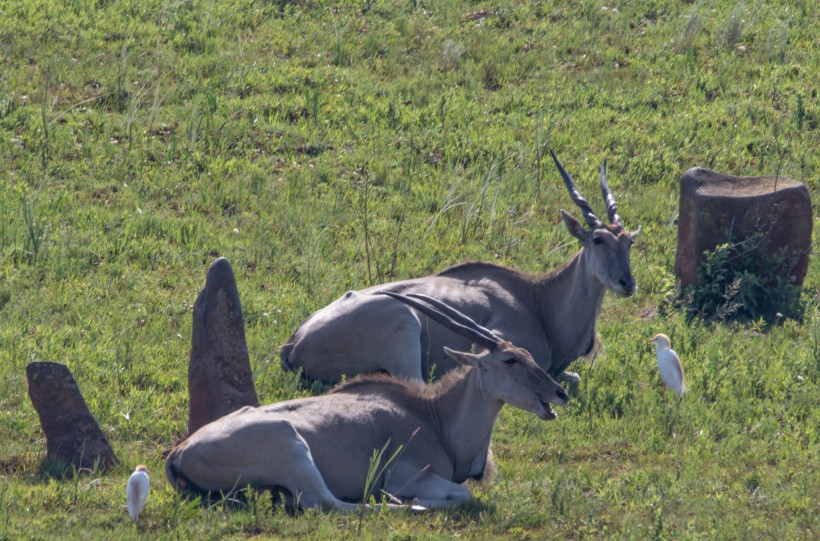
[741, 281]
[325, 146]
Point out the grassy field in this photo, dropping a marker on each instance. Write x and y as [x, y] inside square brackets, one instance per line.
[325, 146]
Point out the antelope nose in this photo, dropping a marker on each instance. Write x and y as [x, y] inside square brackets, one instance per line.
[628, 283]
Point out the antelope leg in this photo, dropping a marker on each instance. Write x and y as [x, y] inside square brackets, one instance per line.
[251, 453]
[425, 488]
[571, 377]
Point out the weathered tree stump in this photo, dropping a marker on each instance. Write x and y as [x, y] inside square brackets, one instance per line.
[73, 437]
[717, 208]
[219, 371]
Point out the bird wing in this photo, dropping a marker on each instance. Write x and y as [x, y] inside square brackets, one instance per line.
[677, 365]
[671, 370]
[132, 496]
[137, 493]
[144, 493]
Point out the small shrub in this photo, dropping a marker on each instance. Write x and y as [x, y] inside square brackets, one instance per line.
[686, 40]
[491, 75]
[736, 26]
[739, 281]
[777, 43]
[453, 54]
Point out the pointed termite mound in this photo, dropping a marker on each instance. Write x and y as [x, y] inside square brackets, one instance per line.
[219, 372]
[73, 437]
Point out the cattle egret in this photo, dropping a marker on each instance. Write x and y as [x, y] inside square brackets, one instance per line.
[668, 363]
[137, 491]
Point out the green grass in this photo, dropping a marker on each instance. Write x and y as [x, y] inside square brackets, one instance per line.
[139, 140]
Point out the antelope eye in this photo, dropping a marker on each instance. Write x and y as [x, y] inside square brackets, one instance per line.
[510, 361]
[597, 240]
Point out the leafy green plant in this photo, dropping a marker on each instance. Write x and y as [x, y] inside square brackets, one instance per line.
[740, 281]
[376, 469]
[44, 109]
[689, 33]
[4, 511]
[736, 25]
[34, 230]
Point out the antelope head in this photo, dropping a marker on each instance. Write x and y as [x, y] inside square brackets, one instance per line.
[608, 245]
[508, 373]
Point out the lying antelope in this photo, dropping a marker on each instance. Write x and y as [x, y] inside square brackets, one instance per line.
[316, 450]
[552, 316]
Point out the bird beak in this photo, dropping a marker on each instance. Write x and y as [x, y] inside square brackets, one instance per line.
[648, 340]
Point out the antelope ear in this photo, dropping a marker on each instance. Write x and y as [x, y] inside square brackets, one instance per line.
[574, 226]
[462, 357]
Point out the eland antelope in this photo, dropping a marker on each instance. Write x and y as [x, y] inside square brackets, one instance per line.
[552, 316]
[317, 450]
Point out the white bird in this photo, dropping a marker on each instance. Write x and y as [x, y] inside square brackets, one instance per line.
[668, 363]
[137, 491]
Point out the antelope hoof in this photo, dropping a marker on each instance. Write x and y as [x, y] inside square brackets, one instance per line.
[571, 377]
[416, 508]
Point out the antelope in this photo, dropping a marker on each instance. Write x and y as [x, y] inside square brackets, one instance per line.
[553, 316]
[316, 451]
